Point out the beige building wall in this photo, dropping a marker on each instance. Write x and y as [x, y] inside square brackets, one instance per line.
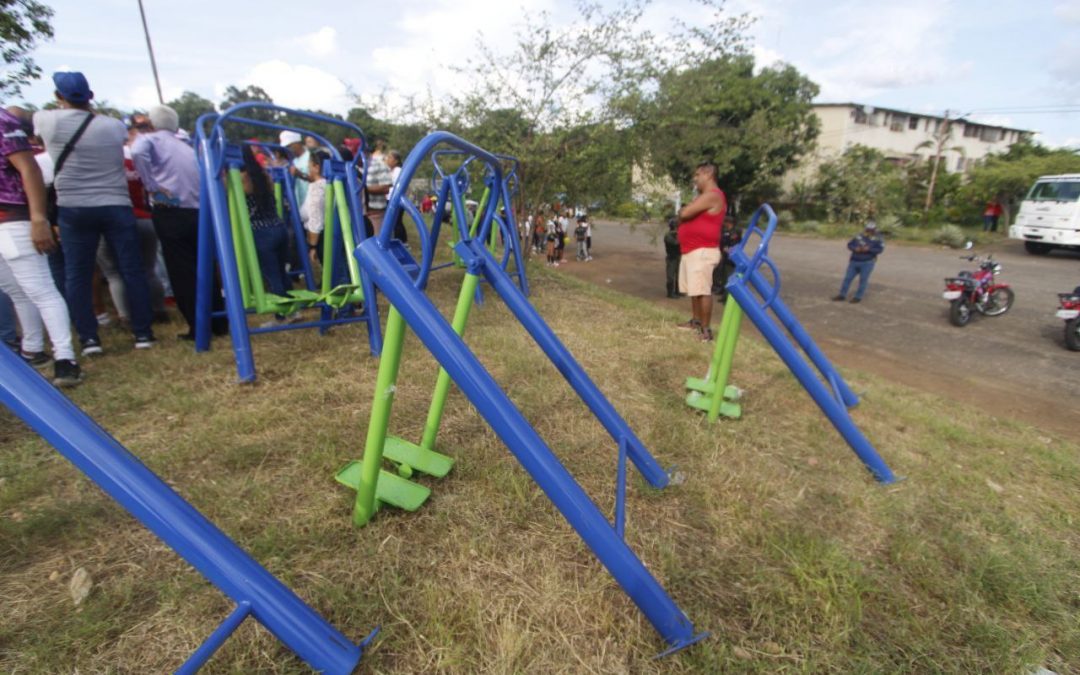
[898, 134]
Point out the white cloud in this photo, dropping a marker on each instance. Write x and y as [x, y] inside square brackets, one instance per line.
[144, 96]
[1069, 11]
[881, 48]
[429, 42]
[299, 86]
[321, 43]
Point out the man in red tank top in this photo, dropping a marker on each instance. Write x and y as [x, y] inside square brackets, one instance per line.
[701, 223]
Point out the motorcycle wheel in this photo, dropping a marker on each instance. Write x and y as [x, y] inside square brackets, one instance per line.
[959, 313]
[1072, 334]
[999, 301]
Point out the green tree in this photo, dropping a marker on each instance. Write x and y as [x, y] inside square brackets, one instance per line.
[23, 23]
[1010, 175]
[859, 185]
[189, 107]
[754, 126]
[564, 97]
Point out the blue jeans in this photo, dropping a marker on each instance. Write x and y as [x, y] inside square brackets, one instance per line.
[272, 247]
[81, 227]
[863, 269]
[8, 333]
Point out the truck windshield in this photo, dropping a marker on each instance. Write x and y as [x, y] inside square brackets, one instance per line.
[1055, 191]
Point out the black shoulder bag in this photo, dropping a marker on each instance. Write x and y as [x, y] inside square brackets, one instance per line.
[51, 209]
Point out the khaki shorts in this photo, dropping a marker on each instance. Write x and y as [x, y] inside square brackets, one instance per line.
[696, 271]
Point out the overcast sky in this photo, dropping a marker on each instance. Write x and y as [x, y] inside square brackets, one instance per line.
[998, 59]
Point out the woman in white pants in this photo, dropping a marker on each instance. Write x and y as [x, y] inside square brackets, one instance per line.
[25, 238]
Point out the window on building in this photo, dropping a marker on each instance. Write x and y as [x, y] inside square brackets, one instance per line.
[990, 135]
[859, 116]
[971, 131]
[913, 123]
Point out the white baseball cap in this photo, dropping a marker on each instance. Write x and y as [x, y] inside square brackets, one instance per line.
[290, 137]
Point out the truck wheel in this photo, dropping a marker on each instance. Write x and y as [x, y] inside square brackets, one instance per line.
[1037, 248]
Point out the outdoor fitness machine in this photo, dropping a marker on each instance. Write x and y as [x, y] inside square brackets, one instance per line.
[389, 265]
[225, 235]
[751, 293]
[256, 592]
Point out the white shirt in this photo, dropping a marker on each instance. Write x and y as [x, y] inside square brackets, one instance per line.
[313, 210]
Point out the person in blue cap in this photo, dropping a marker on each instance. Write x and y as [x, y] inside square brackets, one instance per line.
[94, 202]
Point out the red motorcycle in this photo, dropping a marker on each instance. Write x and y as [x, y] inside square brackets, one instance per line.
[978, 291]
[1070, 311]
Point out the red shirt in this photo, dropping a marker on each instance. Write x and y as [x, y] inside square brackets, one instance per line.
[136, 190]
[703, 230]
[993, 209]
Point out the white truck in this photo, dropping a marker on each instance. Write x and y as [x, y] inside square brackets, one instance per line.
[1049, 216]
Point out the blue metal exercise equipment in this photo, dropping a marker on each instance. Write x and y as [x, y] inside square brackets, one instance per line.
[386, 262]
[218, 236]
[829, 391]
[256, 592]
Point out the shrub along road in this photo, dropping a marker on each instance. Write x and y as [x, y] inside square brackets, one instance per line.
[1014, 366]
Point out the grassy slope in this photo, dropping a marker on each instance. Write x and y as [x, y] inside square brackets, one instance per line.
[779, 543]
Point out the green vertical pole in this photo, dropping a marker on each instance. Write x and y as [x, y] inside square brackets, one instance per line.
[732, 322]
[346, 230]
[278, 200]
[328, 243]
[385, 383]
[238, 249]
[247, 238]
[442, 383]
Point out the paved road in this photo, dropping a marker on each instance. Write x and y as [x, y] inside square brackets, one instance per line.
[1014, 365]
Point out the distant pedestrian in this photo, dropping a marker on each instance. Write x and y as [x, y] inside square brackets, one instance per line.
[672, 255]
[991, 214]
[580, 235]
[865, 248]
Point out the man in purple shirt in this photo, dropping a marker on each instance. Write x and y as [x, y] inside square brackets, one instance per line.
[169, 172]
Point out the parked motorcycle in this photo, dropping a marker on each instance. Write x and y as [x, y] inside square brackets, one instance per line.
[978, 291]
[1070, 311]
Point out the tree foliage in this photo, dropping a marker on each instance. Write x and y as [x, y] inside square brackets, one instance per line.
[753, 125]
[23, 23]
[859, 185]
[189, 106]
[1011, 174]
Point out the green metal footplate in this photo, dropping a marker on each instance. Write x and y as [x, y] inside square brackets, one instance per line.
[700, 397]
[411, 457]
[391, 488]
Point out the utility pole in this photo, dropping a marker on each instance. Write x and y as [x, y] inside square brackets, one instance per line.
[150, 48]
[941, 136]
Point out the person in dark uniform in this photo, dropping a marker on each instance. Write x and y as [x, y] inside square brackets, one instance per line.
[673, 255]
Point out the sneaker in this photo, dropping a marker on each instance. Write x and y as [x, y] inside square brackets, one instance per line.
[839, 298]
[144, 341]
[854, 300]
[692, 324]
[66, 373]
[295, 317]
[269, 323]
[104, 319]
[91, 346]
[706, 335]
[35, 359]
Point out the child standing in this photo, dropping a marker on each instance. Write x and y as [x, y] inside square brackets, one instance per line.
[580, 233]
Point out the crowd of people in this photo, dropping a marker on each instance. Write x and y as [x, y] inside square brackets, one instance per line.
[89, 202]
[549, 233]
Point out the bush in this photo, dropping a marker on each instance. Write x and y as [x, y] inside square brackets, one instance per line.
[785, 219]
[950, 235]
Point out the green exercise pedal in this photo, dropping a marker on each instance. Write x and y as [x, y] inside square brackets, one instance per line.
[410, 456]
[391, 488]
[699, 399]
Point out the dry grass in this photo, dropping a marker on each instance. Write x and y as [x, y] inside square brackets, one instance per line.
[779, 543]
